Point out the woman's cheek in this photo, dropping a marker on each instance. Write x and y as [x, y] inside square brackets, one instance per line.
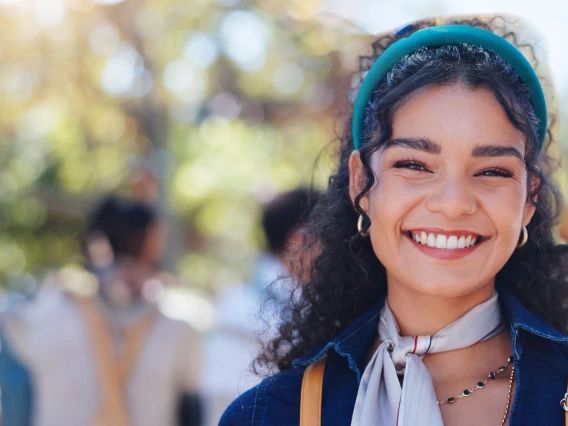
[391, 201]
[504, 202]
[400, 190]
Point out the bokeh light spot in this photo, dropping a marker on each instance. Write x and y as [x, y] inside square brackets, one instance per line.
[245, 39]
[201, 50]
[288, 78]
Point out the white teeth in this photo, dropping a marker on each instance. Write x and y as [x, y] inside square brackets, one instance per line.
[441, 241]
[452, 242]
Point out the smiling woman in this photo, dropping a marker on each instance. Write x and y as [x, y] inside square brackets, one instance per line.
[432, 291]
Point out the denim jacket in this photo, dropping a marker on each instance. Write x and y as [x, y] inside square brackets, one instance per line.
[541, 364]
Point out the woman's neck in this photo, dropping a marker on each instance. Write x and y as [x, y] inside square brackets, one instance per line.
[419, 314]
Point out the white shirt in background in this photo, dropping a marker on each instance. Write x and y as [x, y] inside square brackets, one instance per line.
[49, 334]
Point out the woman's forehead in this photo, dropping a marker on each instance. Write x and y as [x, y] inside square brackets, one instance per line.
[456, 116]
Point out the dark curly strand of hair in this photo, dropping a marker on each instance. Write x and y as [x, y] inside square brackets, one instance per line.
[341, 275]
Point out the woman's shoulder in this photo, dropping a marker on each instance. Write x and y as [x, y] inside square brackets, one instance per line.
[274, 401]
[242, 410]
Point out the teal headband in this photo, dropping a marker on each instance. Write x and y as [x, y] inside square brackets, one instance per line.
[443, 36]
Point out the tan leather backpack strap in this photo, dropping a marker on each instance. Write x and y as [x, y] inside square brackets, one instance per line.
[312, 391]
[134, 340]
[566, 411]
[113, 410]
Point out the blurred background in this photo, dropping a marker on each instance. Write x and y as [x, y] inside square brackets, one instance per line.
[208, 106]
[206, 109]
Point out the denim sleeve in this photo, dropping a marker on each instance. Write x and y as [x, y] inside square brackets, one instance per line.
[242, 410]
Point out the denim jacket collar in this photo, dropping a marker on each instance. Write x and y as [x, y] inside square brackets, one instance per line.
[521, 318]
[354, 341]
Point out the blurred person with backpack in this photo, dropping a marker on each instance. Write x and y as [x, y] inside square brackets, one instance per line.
[110, 358]
[248, 314]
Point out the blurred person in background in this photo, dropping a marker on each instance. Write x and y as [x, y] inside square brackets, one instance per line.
[110, 357]
[241, 328]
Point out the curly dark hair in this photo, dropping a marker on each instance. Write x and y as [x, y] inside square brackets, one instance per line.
[341, 276]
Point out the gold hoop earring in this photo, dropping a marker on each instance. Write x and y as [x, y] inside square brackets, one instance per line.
[525, 234]
[360, 226]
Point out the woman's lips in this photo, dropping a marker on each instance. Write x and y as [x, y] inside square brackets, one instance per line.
[442, 253]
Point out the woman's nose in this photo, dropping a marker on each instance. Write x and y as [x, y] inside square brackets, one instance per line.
[452, 197]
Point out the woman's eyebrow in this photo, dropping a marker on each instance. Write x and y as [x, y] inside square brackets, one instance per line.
[419, 144]
[496, 151]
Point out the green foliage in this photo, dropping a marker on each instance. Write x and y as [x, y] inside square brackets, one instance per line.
[226, 103]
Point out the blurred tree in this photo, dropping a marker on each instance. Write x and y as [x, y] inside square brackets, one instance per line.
[224, 102]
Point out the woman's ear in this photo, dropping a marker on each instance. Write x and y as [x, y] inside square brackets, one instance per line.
[357, 180]
[528, 213]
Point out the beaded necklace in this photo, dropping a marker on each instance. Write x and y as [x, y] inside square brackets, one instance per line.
[481, 385]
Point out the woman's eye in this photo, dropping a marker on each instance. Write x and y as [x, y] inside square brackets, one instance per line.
[411, 164]
[495, 172]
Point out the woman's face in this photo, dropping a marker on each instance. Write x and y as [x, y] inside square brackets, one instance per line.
[453, 150]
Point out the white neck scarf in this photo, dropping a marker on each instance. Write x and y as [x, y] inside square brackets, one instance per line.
[381, 400]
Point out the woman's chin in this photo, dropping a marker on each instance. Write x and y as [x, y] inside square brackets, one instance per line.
[446, 287]
[445, 278]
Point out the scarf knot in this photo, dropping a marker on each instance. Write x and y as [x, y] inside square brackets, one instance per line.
[418, 345]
